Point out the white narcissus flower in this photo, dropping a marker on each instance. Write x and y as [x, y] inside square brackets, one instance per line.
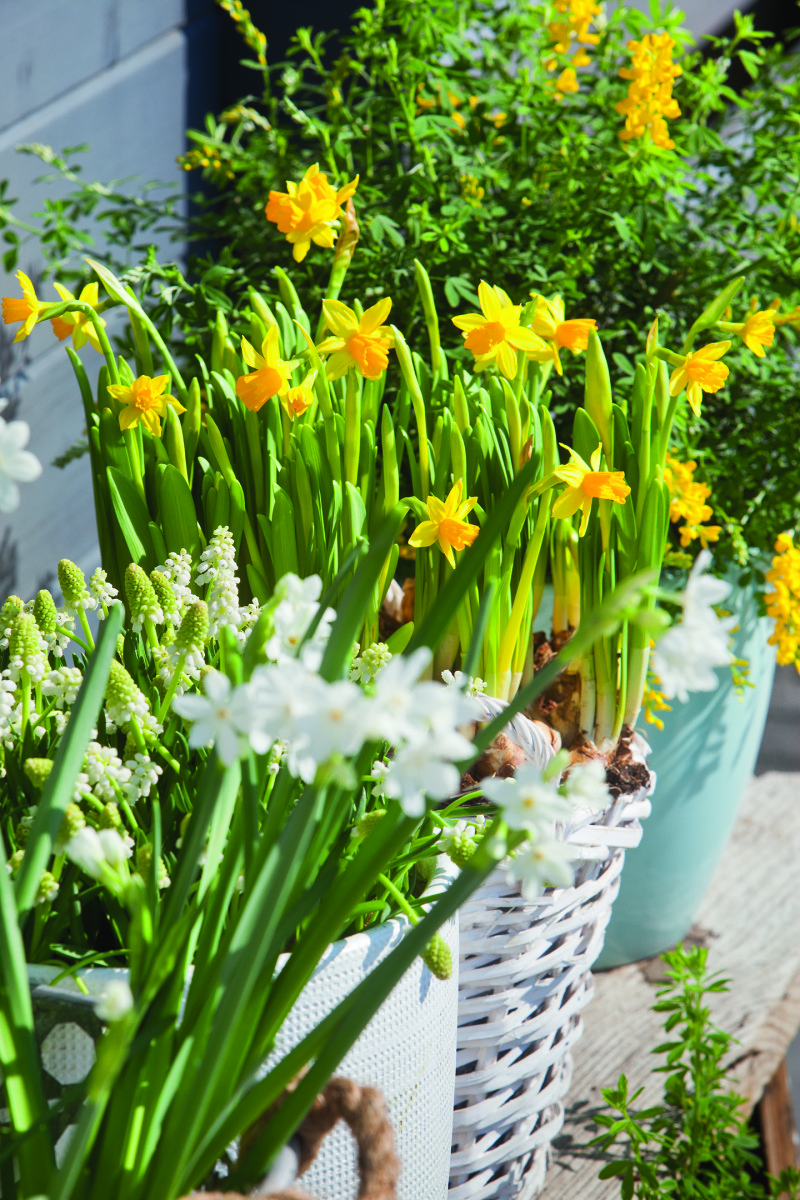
[586, 786]
[685, 657]
[115, 1001]
[222, 717]
[540, 864]
[297, 607]
[425, 768]
[95, 852]
[335, 724]
[17, 465]
[528, 803]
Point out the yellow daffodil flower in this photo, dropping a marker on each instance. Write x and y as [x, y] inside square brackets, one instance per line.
[700, 372]
[756, 332]
[308, 211]
[558, 334]
[271, 375]
[447, 525]
[362, 342]
[145, 400]
[586, 483]
[299, 398]
[495, 333]
[26, 309]
[77, 323]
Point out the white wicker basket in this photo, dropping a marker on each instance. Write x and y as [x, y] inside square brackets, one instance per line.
[524, 978]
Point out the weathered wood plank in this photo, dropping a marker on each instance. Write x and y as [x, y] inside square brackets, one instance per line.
[750, 919]
[778, 1134]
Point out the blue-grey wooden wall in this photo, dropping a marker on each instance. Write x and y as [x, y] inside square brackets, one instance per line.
[113, 74]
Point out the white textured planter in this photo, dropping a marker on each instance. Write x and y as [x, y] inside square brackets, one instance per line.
[524, 977]
[408, 1051]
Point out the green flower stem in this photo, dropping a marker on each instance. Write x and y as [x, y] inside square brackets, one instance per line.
[134, 462]
[25, 682]
[438, 360]
[622, 685]
[171, 690]
[87, 633]
[352, 429]
[522, 595]
[398, 898]
[152, 636]
[169, 361]
[140, 340]
[251, 425]
[418, 403]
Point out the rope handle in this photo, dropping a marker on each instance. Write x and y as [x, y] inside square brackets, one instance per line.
[364, 1110]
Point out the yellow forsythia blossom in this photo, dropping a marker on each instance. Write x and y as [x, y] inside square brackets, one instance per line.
[688, 502]
[145, 401]
[653, 702]
[783, 604]
[447, 525]
[649, 103]
[471, 190]
[253, 36]
[309, 210]
[571, 31]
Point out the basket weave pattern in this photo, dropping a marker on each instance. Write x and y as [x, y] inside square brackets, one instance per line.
[524, 977]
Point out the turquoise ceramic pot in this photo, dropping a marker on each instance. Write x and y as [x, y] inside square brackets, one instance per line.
[703, 758]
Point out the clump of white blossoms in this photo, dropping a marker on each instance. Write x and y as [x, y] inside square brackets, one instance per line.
[296, 605]
[685, 656]
[533, 804]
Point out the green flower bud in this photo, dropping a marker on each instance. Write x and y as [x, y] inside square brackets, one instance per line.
[25, 644]
[120, 645]
[461, 849]
[144, 863]
[438, 958]
[73, 820]
[425, 869]
[123, 698]
[72, 582]
[366, 824]
[164, 593]
[109, 818]
[44, 612]
[48, 888]
[38, 770]
[597, 394]
[193, 630]
[142, 601]
[12, 608]
[15, 861]
[23, 829]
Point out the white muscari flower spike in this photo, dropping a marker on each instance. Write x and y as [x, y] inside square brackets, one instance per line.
[17, 465]
[105, 771]
[178, 572]
[685, 656]
[104, 593]
[144, 776]
[62, 684]
[115, 1002]
[27, 649]
[367, 666]
[217, 571]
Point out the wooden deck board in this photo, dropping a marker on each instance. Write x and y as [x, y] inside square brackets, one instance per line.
[750, 920]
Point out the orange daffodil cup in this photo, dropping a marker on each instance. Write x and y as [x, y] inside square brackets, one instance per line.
[495, 333]
[361, 342]
[587, 483]
[144, 401]
[26, 309]
[271, 375]
[446, 524]
[556, 332]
